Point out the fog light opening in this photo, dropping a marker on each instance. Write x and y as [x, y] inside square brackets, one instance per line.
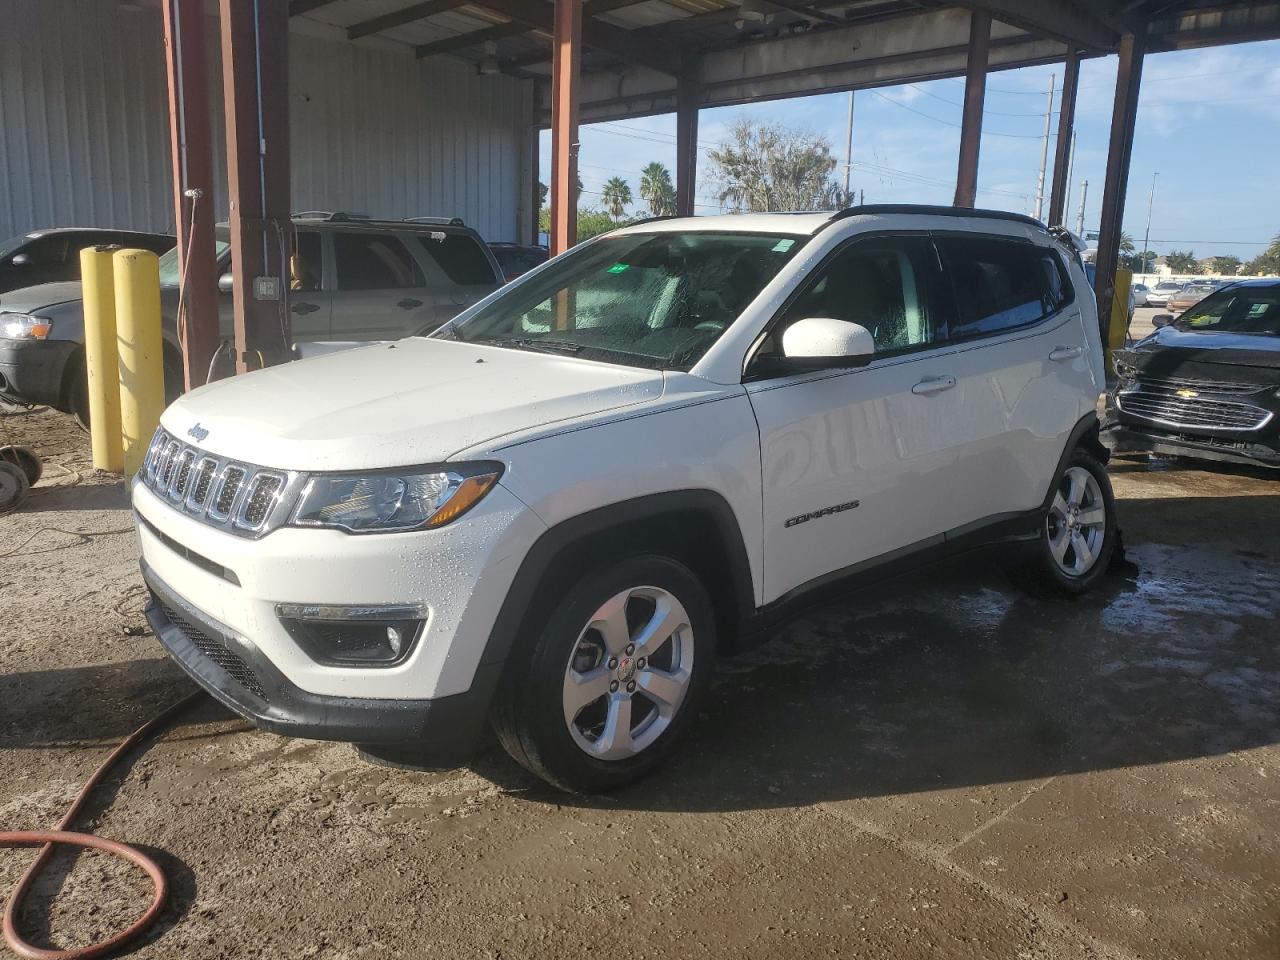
[353, 636]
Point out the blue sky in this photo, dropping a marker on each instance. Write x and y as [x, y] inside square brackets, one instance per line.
[1208, 122]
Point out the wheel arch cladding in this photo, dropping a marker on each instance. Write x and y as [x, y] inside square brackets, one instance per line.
[697, 527]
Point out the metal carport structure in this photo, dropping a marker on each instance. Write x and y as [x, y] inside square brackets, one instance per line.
[596, 60]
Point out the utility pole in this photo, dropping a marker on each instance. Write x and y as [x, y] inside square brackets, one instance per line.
[1146, 239]
[1084, 195]
[1044, 148]
[848, 152]
[1071, 165]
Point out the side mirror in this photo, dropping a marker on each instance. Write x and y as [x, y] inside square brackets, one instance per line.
[20, 260]
[817, 343]
[225, 283]
[1162, 320]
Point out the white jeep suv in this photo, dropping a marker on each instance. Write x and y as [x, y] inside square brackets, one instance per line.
[551, 514]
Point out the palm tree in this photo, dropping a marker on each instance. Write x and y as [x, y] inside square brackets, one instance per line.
[615, 196]
[1126, 244]
[656, 187]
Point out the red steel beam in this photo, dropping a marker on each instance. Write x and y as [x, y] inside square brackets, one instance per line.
[566, 69]
[191, 154]
[1123, 117]
[257, 122]
[975, 92]
[1062, 151]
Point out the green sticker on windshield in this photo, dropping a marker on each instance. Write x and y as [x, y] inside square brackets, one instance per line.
[782, 246]
[619, 268]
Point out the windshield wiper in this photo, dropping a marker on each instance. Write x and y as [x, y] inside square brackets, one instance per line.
[536, 343]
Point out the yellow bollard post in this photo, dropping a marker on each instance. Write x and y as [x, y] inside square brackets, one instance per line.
[1119, 315]
[141, 346]
[101, 359]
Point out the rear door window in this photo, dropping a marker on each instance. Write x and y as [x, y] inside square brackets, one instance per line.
[305, 266]
[374, 261]
[1001, 284]
[460, 257]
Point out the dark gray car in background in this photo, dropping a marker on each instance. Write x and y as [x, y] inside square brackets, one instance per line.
[350, 279]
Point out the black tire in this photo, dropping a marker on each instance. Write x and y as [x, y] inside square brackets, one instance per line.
[1050, 569]
[13, 487]
[78, 395]
[529, 713]
[78, 387]
[25, 459]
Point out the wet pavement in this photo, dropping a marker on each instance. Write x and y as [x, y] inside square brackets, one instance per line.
[945, 765]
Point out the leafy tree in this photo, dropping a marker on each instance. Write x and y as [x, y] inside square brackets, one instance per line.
[1182, 261]
[1268, 262]
[657, 188]
[769, 167]
[543, 192]
[590, 222]
[1227, 264]
[1141, 261]
[615, 195]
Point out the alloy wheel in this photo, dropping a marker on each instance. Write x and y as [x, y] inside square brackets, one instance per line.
[1077, 522]
[628, 673]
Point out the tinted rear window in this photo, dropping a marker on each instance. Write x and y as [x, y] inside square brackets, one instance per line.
[1002, 284]
[460, 257]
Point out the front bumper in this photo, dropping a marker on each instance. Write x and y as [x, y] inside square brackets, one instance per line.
[33, 371]
[1124, 438]
[235, 673]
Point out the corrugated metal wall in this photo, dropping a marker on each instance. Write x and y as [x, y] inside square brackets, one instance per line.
[84, 126]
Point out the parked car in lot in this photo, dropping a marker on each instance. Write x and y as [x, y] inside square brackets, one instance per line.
[1138, 295]
[1208, 383]
[47, 256]
[350, 279]
[1188, 296]
[554, 512]
[518, 258]
[1159, 295]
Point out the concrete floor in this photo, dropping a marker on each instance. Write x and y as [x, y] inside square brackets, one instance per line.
[943, 767]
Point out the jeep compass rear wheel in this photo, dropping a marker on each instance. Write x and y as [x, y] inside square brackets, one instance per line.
[614, 679]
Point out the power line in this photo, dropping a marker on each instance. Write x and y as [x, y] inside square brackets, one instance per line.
[957, 103]
[949, 123]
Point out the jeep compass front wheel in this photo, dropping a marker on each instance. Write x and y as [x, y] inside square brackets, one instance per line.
[613, 679]
[1080, 533]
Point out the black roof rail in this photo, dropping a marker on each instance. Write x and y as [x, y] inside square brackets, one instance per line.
[336, 216]
[443, 221]
[933, 210]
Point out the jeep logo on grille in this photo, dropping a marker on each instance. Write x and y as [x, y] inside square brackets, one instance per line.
[197, 432]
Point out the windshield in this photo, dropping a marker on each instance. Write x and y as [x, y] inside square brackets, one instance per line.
[1254, 310]
[169, 262]
[657, 300]
[10, 245]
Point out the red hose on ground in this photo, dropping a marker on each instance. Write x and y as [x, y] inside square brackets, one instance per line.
[48, 839]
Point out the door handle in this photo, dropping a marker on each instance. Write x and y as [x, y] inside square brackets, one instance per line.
[304, 307]
[408, 303]
[933, 385]
[1059, 354]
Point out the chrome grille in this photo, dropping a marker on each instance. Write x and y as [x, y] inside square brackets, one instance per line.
[238, 497]
[1181, 403]
[1173, 384]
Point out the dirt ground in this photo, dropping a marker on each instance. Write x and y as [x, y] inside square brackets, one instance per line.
[941, 767]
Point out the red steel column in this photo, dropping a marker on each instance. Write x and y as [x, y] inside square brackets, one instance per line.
[191, 152]
[687, 98]
[255, 79]
[566, 61]
[1123, 118]
[1066, 126]
[975, 92]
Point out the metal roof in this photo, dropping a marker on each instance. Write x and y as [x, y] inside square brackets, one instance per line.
[748, 50]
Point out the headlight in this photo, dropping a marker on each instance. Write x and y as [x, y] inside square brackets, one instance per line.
[19, 326]
[394, 500]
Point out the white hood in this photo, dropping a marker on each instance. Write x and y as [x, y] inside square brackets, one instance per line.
[408, 402]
